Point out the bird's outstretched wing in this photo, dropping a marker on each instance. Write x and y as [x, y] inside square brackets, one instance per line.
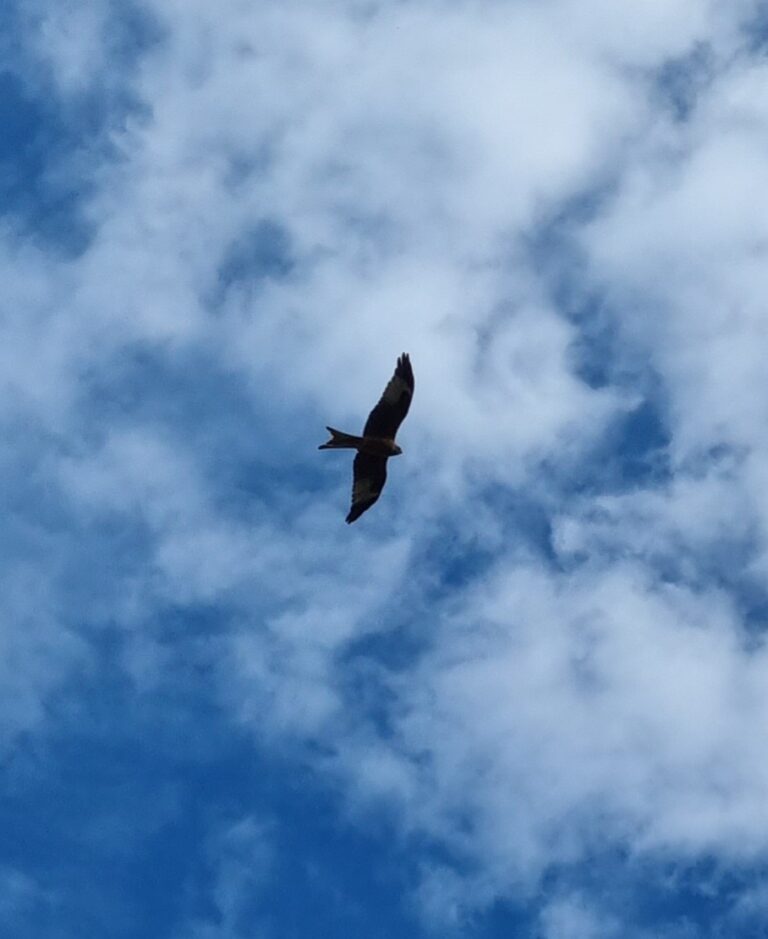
[368, 478]
[393, 405]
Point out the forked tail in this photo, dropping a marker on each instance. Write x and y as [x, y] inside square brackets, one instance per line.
[339, 441]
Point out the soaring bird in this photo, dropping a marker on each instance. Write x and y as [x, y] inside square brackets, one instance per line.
[377, 444]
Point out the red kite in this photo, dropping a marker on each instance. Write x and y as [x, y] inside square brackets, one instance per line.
[377, 444]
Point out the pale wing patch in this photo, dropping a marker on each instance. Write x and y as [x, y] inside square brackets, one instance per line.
[395, 389]
[363, 489]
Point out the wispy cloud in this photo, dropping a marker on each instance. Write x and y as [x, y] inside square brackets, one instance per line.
[546, 643]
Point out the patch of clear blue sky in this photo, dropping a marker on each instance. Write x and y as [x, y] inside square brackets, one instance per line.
[264, 251]
[139, 788]
[112, 810]
[680, 81]
[756, 30]
[49, 146]
[35, 140]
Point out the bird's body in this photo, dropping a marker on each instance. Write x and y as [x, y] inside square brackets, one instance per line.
[377, 443]
[373, 446]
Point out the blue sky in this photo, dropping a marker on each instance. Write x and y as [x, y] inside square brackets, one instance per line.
[526, 694]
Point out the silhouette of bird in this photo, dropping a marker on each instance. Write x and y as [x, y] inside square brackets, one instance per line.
[377, 443]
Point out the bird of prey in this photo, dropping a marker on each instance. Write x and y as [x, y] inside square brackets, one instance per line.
[377, 444]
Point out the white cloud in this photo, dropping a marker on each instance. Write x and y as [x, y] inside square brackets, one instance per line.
[241, 858]
[569, 917]
[72, 41]
[565, 712]
[39, 647]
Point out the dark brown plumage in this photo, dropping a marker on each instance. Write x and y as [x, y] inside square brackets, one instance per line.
[377, 443]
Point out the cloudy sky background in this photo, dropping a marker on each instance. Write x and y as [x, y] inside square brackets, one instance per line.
[527, 694]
